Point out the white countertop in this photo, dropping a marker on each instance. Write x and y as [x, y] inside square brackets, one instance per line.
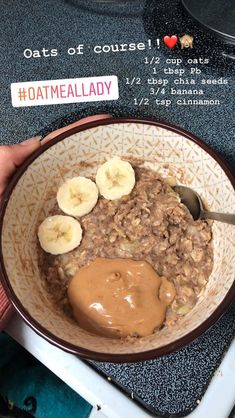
[217, 402]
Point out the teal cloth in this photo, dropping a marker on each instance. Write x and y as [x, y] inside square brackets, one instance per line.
[22, 377]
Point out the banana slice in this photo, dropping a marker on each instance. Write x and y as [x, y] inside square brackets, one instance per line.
[59, 234]
[77, 196]
[115, 178]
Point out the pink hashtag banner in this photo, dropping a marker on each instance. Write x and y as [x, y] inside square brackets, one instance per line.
[48, 92]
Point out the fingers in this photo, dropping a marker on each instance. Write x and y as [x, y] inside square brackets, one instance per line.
[11, 156]
[73, 125]
[6, 309]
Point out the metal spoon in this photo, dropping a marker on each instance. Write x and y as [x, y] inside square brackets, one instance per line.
[195, 206]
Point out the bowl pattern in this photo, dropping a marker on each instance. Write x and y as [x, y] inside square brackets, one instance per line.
[170, 153]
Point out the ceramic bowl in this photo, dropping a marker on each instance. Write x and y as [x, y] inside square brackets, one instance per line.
[31, 195]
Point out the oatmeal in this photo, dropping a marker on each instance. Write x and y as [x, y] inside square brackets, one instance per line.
[149, 224]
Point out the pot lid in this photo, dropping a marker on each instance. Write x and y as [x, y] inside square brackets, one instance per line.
[218, 16]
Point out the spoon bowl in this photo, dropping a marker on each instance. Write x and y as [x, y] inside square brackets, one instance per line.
[193, 202]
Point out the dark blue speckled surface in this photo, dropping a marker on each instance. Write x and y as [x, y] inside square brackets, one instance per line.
[62, 24]
[170, 385]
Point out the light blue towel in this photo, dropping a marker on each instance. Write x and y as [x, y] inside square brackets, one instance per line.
[26, 385]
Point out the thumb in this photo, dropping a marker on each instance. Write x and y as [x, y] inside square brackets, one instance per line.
[12, 156]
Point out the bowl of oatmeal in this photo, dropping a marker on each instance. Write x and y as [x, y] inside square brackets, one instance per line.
[127, 275]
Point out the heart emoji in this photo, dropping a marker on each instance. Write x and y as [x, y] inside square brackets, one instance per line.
[170, 41]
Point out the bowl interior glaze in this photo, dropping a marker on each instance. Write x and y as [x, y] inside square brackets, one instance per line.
[165, 150]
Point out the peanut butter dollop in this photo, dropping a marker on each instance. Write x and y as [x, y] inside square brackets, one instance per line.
[120, 297]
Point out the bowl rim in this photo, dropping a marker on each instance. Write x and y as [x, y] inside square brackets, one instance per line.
[59, 342]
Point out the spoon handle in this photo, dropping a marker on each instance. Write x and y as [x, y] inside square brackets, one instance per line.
[228, 218]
